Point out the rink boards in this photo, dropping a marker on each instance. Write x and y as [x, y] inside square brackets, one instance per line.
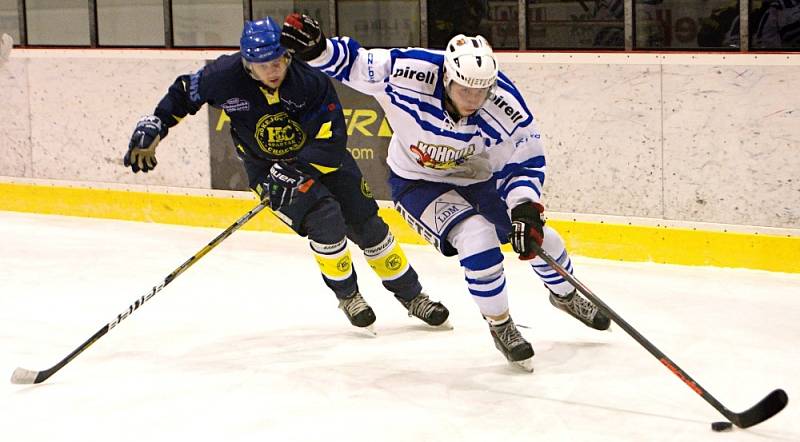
[651, 156]
[613, 238]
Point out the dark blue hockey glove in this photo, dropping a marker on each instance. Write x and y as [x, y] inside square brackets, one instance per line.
[527, 223]
[283, 184]
[302, 36]
[141, 153]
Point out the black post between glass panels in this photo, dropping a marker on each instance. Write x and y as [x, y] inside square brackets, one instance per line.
[93, 37]
[23, 23]
[169, 41]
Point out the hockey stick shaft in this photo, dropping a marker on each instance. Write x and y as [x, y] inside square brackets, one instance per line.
[23, 376]
[766, 408]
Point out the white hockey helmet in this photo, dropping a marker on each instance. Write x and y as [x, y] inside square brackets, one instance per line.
[470, 62]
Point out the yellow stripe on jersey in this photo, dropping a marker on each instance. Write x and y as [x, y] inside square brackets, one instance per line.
[337, 267]
[324, 169]
[324, 131]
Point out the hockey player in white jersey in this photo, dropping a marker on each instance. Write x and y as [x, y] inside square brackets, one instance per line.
[467, 163]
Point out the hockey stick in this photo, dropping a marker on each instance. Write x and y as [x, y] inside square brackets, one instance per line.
[24, 376]
[771, 405]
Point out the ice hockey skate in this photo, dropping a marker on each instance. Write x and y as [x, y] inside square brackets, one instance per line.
[581, 309]
[431, 312]
[358, 312]
[514, 347]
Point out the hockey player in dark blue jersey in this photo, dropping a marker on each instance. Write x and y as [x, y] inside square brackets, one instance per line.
[289, 130]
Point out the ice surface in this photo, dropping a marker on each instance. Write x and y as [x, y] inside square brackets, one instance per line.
[248, 345]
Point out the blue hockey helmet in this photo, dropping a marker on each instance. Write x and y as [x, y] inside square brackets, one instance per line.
[261, 41]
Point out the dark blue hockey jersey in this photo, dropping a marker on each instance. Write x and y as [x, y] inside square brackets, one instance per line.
[302, 120]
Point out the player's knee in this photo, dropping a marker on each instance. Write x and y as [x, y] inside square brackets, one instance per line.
[324, 223]
[370, 233]
[472, 236]
[484, 265]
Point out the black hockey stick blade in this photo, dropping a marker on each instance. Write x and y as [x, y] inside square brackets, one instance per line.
[771, 405]
[25, 376]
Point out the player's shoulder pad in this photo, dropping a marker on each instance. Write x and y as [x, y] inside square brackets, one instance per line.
[225, 67]
[221, 74]
[507, 107]
[304, 85]
[416, 69]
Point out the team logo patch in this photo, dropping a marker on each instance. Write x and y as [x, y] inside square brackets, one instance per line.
[440, 156]
[343, 265]
[278, 135]
[444, 212]
[393, 262]
[236, 105]
[291, 105]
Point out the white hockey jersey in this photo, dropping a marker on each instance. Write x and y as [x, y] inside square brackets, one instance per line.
[500, 139]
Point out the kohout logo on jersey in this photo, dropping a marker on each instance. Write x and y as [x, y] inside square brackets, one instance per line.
[440, 156]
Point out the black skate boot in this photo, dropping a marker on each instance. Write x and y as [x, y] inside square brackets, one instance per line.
[431, 312]
[581, 309]
[510, 342]
[358, 311]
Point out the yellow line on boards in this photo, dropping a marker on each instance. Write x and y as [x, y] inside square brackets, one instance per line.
[190, 210]
[593, 239]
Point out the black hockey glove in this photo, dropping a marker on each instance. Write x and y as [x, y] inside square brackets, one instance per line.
[283, 183]
[527, 222]
[302, 36]
[141, 153]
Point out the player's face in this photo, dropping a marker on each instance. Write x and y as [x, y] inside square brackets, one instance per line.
[467, 100]
[272, 72]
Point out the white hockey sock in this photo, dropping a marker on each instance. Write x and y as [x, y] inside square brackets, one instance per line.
[554, 245]
[479, 254]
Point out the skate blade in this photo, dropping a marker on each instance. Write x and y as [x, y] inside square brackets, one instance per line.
[369, 331]
[446, 325]
[525, 365]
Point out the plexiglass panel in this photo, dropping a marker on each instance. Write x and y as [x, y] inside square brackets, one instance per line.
[207, 22]
[380, 23]
[58, 22]
[125, 23]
